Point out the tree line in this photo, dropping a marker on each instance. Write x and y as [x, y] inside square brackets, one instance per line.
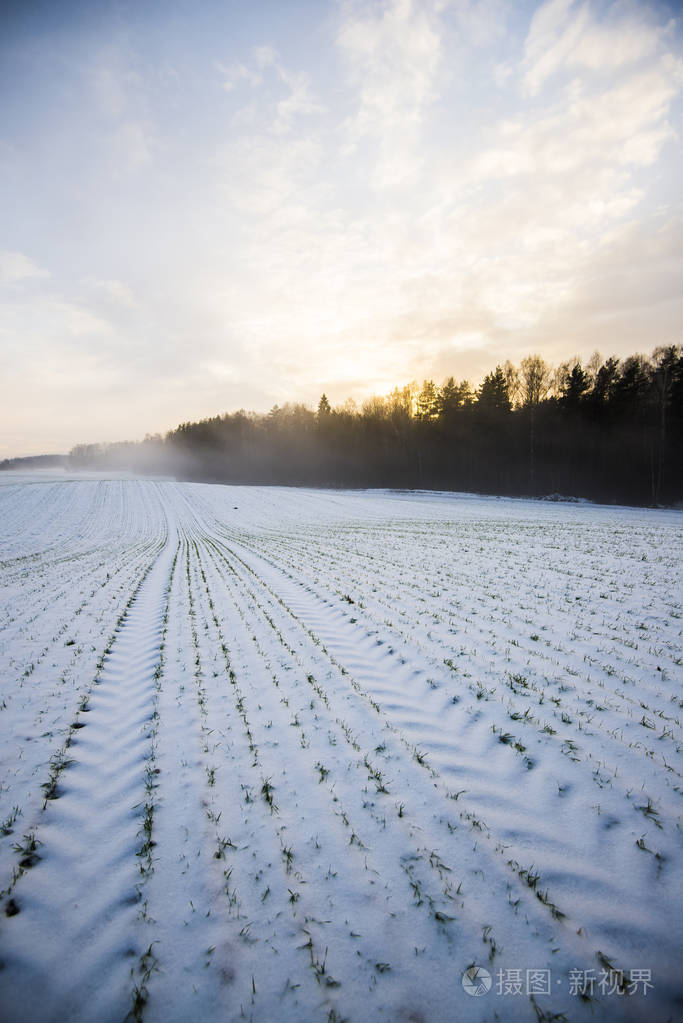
[610, 430]
[31, 462]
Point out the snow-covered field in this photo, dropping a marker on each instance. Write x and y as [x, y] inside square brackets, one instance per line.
[281, 754]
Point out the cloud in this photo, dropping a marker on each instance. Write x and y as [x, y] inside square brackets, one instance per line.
[392, 56]
[300, 100]
[119, 106]
[234, 75]
[583, 128]
[479, 23]
[263, 176]
[50, 322]
[566, 35]
[75, 319]
[614, 284]
[265, 55]
[113, 291]
[268, 74]
[16, 267]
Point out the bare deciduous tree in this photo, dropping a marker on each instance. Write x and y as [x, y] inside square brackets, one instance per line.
[535, 379]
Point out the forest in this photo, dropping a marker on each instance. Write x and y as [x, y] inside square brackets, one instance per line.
[608, 431]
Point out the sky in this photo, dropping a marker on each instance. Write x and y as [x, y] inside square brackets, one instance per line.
[208, 205]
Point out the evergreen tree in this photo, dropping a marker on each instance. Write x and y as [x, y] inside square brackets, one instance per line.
[494, 393]
[427, 406]
[605, 382]
[574, 387]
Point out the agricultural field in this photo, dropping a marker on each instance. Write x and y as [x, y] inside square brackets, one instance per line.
[273, 754]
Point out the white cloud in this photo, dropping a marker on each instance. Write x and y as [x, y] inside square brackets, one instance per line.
[265, 176]
[114, 291]
[478, 22]
[392, 58]
[235, 74]
[552, 37]
[16, 267]
[299, 99]
[567, 35]
[265, 55]
[584, 128]
[75, 319]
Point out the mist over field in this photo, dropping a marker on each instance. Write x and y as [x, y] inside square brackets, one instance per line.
[612, 432]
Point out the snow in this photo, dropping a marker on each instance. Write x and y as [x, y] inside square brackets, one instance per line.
[284, 754]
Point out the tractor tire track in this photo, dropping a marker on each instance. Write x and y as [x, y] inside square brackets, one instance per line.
[80, 888]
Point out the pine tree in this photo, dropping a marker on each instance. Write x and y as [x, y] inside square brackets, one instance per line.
[494, 392]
